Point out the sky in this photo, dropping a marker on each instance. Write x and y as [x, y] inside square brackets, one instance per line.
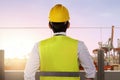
[17, 13]
[24, 22]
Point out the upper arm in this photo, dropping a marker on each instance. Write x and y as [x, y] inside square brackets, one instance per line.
[33, 62]
[86, 60]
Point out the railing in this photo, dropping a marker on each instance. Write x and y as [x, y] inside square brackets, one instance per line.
[19, 75]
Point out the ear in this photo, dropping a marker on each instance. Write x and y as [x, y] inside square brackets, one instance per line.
[49, 25]
[68, 25]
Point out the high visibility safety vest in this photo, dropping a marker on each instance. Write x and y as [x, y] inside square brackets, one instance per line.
[59, 54]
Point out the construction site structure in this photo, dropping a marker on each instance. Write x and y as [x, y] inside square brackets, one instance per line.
[111, 54]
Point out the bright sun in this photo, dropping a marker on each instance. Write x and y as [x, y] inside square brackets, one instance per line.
[16, 52]
[16, 44]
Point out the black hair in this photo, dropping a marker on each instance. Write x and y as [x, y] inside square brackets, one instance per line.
[59, 26]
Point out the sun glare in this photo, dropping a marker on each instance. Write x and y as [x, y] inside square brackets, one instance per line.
[15, 53]
[16, 47]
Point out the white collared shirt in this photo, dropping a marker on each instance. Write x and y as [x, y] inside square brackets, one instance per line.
[84, 56]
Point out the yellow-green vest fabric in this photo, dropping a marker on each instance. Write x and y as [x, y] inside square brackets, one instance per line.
[59, 54]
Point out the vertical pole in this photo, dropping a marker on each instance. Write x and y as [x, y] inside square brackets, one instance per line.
[118, 57]
[1, 64]
[100, 74]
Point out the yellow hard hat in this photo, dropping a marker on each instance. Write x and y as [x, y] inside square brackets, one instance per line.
[59, 13]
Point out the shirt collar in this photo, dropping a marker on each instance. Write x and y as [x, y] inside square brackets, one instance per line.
[60, 33]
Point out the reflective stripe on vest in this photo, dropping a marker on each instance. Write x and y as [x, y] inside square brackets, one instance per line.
[59, 54]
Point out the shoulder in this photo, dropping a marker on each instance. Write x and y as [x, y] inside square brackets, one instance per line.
[44, 40]
[80, 42]
[70, 38]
